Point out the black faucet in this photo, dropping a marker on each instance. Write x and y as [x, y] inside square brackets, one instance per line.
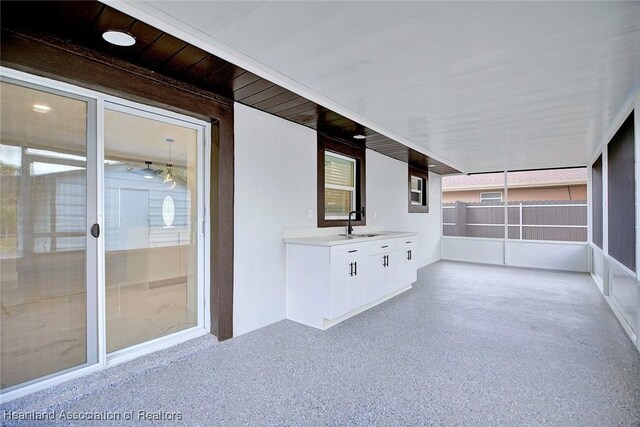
[349, 227]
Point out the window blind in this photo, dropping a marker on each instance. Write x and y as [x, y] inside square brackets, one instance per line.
[339, 185]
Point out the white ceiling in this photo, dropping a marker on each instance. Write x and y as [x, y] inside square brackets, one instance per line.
[482, 85]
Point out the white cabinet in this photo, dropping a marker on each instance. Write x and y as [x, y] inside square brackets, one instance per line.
[408, 252]
[327, 284]
[347, 284]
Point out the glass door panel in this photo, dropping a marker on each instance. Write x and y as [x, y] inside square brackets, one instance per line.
[151, 241]
[45, 302]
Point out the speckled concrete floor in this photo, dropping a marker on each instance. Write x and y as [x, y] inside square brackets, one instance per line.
[469, 345]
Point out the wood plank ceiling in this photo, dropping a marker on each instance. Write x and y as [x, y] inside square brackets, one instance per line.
[83, 23]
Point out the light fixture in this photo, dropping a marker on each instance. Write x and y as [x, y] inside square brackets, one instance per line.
[148, 172]
[119, 38]
[41, 108]
[168, 178]
[433, 166]
[169, 181]
[359, 136]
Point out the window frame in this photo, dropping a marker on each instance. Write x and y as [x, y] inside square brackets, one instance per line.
[352, 189]
[424, 176]
[491, 200]
[350, 152]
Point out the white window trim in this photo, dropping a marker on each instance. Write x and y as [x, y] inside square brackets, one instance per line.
[419, 192]
[491, 199]
[342, 187]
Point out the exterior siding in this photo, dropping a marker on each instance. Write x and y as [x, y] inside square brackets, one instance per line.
[528, 194]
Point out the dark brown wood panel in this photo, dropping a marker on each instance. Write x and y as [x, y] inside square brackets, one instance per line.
[220, 81]
[222, 202]
[161, 51]
[275, 101]
[184, 59]
[145, 36]
[109, 19]
[252, 88]
[286, 105]
[264, 95]
[300, 109]
[198, 71]
[243, 79]
[306, 119]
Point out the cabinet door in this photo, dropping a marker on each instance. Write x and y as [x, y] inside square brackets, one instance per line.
[409, 263]
[390, 279]
[357, 285]
[374, 267]
[345, 286]
[381, 275]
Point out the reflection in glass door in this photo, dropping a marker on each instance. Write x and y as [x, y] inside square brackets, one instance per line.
[151, 226]
[47, 317]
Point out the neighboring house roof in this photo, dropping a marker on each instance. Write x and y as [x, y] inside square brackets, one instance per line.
[541, 178]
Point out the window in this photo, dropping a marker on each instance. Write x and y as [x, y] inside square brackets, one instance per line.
[339, 185]
[491, 197]
[418, 191]
[417, 184]
[341, 182]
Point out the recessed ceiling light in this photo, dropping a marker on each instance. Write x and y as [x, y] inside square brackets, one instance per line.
[119, 38]
[41, 108]
[359, 136]
[433, 166]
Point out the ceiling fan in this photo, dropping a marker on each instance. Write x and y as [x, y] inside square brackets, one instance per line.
[147, 172]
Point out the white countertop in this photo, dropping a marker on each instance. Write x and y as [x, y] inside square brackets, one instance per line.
[333, 240]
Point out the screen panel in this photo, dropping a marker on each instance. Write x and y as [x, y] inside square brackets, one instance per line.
[596, 201]
[622, 191]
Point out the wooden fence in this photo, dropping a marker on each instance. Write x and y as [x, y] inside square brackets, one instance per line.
[540, 220]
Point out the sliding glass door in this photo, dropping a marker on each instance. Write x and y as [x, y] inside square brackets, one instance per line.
[151, 238]
[102, 243]
[47, 259]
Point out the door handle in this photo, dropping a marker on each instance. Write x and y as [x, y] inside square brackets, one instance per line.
[409, 254]
[384, 246]
[350, 269]
[355, 268]
[95, 230]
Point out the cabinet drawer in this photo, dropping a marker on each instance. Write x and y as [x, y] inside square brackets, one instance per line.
[382, 246]
[407, 241]
[347, 251]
